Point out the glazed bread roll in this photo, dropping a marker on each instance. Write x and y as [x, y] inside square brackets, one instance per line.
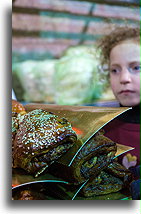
[41, 139]
[93, 157]
[112, 179]
[18, 111]
[17, 108]
[120, 171]
[29, 195]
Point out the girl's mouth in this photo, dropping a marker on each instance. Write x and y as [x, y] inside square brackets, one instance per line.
[126, 92]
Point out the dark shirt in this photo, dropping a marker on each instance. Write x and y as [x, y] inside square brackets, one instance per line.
[125, 129]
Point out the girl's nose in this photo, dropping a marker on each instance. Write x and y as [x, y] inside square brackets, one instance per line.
[125, 76]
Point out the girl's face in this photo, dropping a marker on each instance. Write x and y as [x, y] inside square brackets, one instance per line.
[125, 73]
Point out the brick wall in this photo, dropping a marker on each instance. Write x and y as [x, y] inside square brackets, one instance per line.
[50, 27]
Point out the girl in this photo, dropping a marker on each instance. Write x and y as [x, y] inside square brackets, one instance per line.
[120, 50]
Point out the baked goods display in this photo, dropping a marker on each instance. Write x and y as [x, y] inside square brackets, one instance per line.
[43, 143]
[95, 165]
[88, 162]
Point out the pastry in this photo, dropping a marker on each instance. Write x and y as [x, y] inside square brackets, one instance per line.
[18, 111]
[95, 155]
[112, 179]
[17, 107]
[42, 138]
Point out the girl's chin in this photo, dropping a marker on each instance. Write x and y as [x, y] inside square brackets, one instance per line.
[128, 104]
[128, 101]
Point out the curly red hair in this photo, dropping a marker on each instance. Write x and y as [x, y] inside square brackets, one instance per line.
[117, 36]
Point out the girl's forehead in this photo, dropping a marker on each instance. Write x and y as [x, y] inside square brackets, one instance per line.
[125, 53]
[128, 46]
[130, 41]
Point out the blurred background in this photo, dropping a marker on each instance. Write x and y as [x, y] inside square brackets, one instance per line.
[54, 56]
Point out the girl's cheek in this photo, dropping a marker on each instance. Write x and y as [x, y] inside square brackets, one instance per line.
[113, 85]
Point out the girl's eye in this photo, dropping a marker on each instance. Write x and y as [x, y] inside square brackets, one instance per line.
[114, 71]
[135, 69]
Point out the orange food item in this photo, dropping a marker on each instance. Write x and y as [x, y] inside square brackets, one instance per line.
[18, 107]
[18, 111]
